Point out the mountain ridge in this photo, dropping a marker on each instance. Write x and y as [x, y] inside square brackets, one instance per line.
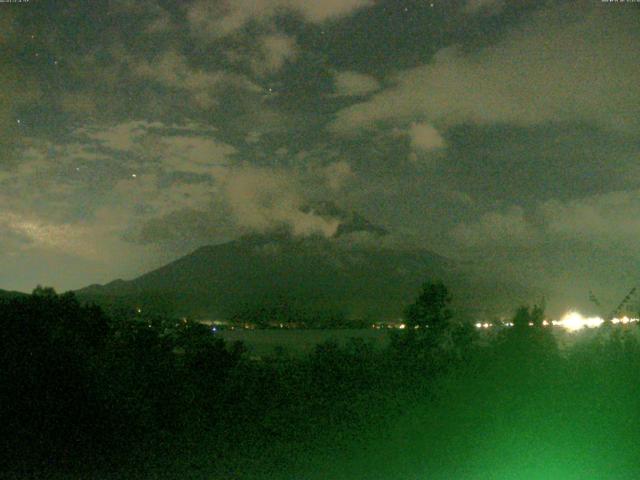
[359, 280]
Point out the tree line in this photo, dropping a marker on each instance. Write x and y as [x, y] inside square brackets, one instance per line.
[130, 395]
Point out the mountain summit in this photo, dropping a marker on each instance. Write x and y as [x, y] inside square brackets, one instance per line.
[350, 222]
[314, 274]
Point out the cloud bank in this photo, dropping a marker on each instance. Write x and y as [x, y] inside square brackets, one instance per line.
[580, 71]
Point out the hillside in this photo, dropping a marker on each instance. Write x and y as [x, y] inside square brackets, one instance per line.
[338, 275]
[4, 294]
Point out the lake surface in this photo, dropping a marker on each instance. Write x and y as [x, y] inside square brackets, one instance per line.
[263, 342]
[298, 342]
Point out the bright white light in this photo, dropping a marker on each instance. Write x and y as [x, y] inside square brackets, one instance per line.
[574, 321]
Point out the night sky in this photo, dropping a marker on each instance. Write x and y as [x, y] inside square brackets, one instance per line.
[501, 134]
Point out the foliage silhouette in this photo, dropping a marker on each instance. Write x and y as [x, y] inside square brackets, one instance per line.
[431, 310]
[137, 395]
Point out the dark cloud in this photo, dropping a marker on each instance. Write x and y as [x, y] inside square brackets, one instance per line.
[218, 18]
[576, 69]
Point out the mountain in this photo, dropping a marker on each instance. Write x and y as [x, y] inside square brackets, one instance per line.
[220, 280]
[6, 294]
[315, 275]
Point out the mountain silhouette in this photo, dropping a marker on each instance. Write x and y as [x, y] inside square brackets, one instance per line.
[359, 280]
[7, 294]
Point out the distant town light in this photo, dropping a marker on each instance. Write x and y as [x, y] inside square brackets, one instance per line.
[574, 321]
[571, 321]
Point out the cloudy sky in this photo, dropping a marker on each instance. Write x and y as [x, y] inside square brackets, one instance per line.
[505, 134]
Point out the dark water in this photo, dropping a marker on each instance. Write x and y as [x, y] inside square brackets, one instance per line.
[298, 342]
[263, 342]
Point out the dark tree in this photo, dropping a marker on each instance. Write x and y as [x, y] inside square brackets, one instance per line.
[526, 317]
[529, 341]
[431, 310]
